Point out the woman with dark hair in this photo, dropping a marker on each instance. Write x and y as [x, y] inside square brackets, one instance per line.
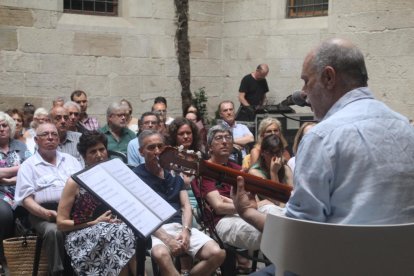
[271, 163]
[96, 242]
[18, 118]
[12, 154]
[183, 132]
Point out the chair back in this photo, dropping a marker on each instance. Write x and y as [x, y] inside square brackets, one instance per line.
[310, 248]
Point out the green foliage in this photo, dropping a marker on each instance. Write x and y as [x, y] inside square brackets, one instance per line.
[199, 101]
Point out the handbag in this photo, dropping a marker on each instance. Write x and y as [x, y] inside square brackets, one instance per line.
[20, 255]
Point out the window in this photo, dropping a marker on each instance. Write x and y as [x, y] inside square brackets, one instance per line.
[306, 8]
[97, 7]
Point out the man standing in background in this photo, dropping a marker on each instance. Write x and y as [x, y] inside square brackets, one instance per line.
[252, 93]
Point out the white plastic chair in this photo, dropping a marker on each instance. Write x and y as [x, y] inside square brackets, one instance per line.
[310, 248]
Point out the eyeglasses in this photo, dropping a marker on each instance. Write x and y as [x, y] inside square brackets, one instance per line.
[60, 117]
[121, 115]
[74, 113]
[223, 138]
[147, 123]
[47, 134]
[152, 147]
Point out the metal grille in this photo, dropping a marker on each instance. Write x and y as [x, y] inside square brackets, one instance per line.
[97, 7]
[306, 8]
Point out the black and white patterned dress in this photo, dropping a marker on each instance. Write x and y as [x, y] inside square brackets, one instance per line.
[101, 249]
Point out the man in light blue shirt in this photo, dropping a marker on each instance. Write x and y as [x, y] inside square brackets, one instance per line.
[357, 165]
[149, 120]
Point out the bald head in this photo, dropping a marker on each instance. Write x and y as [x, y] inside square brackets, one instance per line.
[345, 58]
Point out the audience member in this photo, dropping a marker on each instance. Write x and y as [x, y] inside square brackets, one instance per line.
[176, 236]
[39, 186]
[12, 154]
[58, 101]
[241, 133]
[18, 118]
[267, 126]
[271, 164]
[79, 97]
[131, 120]
[252, 93]
[116, 129]
[160, 106]
[74, 112]
[28, 111]
[87, 220]
[68, 140]
[40, 116]
[193, 115]
[149, 120]
[362, 172]
[305, 128]
[229, 226]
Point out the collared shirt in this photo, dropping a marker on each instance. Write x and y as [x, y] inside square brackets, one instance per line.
[239, 130]
[17, 153]
[44, 180]
[90, 123]
[121, 146]
[134, 156]
[69, 145]
[356, 166]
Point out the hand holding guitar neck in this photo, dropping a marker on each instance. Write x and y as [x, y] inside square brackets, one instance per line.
[190, 163]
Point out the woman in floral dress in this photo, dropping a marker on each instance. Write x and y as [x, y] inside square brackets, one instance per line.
[97, 243]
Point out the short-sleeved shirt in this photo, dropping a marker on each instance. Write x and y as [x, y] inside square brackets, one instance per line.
[209, 185]
[121, 146]
[17, 153]
[43, 180]
[168, 188]
[255, 89]
[134, 157]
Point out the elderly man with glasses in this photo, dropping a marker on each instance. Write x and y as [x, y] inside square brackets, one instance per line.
[116, 129]
[40, 181]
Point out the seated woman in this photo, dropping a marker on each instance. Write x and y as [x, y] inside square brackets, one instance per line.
[12, 154]
[271, 163]
[268, 126]
[305, 128]
[18, 118]
[96, 242]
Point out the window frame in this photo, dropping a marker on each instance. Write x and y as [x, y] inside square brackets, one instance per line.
[291, 5]
[115, 11]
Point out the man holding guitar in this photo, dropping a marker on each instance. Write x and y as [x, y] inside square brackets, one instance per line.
[176, 236]
[356, 165]
[230, 227]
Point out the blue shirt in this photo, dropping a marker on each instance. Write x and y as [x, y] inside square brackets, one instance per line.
[168, 188]
[134, 156]
[356, 166]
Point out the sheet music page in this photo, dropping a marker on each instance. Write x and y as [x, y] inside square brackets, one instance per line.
[144, 209]
[141, 190]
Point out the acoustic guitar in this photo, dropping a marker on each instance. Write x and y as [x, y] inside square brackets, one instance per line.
[190, 163]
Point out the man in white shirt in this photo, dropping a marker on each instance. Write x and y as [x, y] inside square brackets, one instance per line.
[40, 181]
[241, 133]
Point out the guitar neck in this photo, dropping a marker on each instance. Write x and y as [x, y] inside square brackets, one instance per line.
[271, 189]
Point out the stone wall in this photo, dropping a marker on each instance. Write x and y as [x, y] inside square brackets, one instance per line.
[45, 53]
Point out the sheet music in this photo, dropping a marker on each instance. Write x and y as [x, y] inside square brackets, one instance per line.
[127, 194]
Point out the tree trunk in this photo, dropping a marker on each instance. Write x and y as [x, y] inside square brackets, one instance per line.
[183, 51]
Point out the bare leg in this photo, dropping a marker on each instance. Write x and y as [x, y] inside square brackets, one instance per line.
[211, 256]
[162, 257]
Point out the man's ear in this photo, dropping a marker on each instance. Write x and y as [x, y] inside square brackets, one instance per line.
[141, 151]
[328, 77]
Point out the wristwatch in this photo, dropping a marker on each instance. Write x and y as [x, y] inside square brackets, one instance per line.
[187, 228]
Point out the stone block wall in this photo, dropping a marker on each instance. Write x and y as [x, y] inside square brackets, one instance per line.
[45, 53]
